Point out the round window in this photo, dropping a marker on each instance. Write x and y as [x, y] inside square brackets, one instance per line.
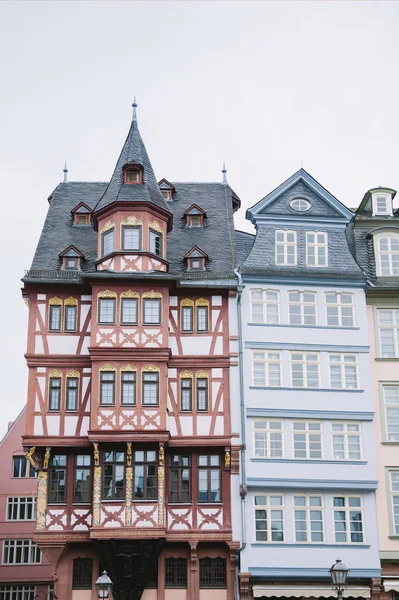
[300, 204]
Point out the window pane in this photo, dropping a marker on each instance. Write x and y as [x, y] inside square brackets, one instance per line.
[55, 318]
[152, 311]
[107, 242]
[70, 318]
[106, 310]
[131, 237]
[187, 318]
[129, 310]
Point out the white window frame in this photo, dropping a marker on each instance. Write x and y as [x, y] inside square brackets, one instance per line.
[266, 303]
[268, 508]
[267, 361]
[32, 548]
[392, 406]
[308, 359]
[302, 303]
[340, 306]
[342, 364]
[17, 592]
[388, 204]
[269, 431]
[346, 434]
[17, 502]
[285, 244]
[302, 207]
[347, 510]
[317, 246]
[393, 326]
[389, 253]
[307, 432]
[394, 502]
[308, 509]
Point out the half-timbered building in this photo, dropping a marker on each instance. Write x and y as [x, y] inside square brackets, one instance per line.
[130, 361]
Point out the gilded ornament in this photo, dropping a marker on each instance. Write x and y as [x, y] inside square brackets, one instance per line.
[96, 455]
[227, 460]
[26, 299]
[149, 368]
[161, 458]
[41, 507]
[131, 220]
[71, 301]
[187, 302]
[107, 368]
[128, 495]
[129, 454]
[55, 301]
[152, 294]
[202, 302]
[186, 375]
[97, 497]
[46, 460]
[29, 456]
[108, 225]
[129, 294]
[156, 226]
[128, 368]
[107, 294]
[73, 374]
[55, 373]
[202, 375]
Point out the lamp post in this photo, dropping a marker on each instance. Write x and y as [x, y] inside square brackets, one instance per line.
[339, 575]
[103, 586]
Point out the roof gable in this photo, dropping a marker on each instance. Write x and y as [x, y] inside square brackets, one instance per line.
[164, 184]
[195, 210]
[71, 251]
[196, 253]
[81, 208]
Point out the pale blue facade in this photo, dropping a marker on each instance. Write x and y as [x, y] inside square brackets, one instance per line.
[309, 456]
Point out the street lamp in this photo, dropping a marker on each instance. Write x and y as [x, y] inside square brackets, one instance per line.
[103, 586]
[339, 575]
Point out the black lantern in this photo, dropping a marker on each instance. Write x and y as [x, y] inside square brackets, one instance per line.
[339, 575]
[103, 586]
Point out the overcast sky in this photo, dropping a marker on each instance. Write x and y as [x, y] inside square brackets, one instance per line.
[264, 86]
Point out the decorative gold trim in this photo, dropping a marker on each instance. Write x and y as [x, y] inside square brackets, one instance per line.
[161, 484]
[128, 492]
[29, 457]
[156, 226]
[46, 460]
[55, 373]
[71, 301]
[132, 220]
[73, 374]
[128, 368]
[129, 294]
[55, 301]
[97, 497]
[152, 294]
[186, 375]
[107, 294]
[107, 367]
[41, 507]
[108, 225]
[150, 368]
[26, 299]
[202, 302]
[187, 302]
[202, 375]
[96, 454]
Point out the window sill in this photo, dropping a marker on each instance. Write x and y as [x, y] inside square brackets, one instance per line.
[390, 443]
[384, 359]
[303, 389]
[335, 327]
[310, 460]
[311, 544]
[393, 537]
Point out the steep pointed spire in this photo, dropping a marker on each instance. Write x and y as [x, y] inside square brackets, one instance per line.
[133, 153]
[224, 171]
[65, 169]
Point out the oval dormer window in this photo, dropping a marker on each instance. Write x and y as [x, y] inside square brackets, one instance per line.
[300, 204]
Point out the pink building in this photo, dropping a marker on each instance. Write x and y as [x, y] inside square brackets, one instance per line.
[24, 570]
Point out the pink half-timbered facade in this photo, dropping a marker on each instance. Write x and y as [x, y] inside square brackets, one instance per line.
[130, 358]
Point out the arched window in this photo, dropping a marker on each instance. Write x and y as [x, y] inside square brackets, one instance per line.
[386, 248]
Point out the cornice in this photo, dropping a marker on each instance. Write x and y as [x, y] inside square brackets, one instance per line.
[58, 360]
[44, 440]
[140, 354]
[113, 436]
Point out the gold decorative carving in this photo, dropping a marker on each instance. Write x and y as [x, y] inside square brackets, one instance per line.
[26, 299]
[129, 454]
[186, 375]
[152, 294]
[55, 301]
[131, 220]
[187, 302]
[73, 374]
[107, 367]
[128, 368]
[71, 301]
[55, 373]
[29, 456]
[129, 294]
[156, 226]
[108, 225]
[149, 368]
[227, 459]
[46, 461]
[97, 496]
[107, 294]
[161, 484]
[202, 375]
[129, 492]
[96, 455]
[202, 302]
[41, 507]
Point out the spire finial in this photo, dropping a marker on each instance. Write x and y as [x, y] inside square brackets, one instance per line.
[134, 109]
[65, 169]
[224, 171]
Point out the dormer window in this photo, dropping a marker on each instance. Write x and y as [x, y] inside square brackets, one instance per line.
[386, 249]
[196, 259]
[167, 194]
[82, 219]
[166, 189]
[70, 259]
[382, 205]
[81, 214]
[71, 263]
[194, 216]
[133, 175]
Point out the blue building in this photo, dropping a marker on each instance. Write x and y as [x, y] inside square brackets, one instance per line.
[308, 472]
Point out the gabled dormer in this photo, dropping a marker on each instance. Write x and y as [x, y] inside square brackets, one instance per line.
[81, 214]
[167, 189]
[194, 216]
[71, 258]
[195, 259]
[377, 202]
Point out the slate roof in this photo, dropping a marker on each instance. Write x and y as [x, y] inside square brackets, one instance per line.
[244, 243]
[364, 247]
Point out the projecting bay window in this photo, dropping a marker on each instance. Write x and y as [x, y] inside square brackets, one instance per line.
[21, 552]
[265, 306]
[72, 386]
[394, 492]
[57, 479]
[179, 478]
[340, 309]
[268, 439]
[82, 479]
[156, 242]
[269, 522]
[388, 327]
[22, 508]
[131, 238]
[346, 441]
[285, 244]
[107, 242]
[129, 311]
[343, 371]
[113, 475]
[307, 439]
[128, 388]
[55, 318]
[266, 369]
[151, 311]
[107, 388]
[70, 317]
[391, 409]
[316, 249]
[308, 514]
[305, 369]
[150, 386]
[186, 393]
[145, 475]
[302, 308]
[209, 478]
[106, 310]
[213, 572]
[54, 394]
[348, 519]
[202, 394]
[175, 572]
